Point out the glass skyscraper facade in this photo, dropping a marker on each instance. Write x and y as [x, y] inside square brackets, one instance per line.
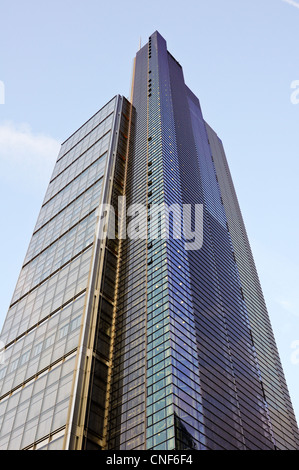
[144, 342]
[51, 321]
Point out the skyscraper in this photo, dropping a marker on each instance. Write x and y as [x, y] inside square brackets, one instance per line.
[129, 328]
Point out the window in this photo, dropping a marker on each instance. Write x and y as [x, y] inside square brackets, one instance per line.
[14, 365]
[24, 358]
[63, 331]
[37, 349]
[75, 323]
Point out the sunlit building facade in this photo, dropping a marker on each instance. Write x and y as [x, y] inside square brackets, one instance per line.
[145, 342]
[51, 322]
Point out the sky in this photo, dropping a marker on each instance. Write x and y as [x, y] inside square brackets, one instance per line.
[61, 61]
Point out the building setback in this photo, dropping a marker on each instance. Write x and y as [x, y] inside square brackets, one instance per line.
[144, 342]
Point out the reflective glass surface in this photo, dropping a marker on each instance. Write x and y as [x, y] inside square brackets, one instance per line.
[129, 344]
[43, 327]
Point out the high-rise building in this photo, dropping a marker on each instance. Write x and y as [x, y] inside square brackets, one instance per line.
[138, 321]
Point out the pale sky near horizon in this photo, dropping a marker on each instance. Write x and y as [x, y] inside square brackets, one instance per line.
[60, 61]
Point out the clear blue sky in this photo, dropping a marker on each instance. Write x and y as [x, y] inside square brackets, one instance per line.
[60, 61]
